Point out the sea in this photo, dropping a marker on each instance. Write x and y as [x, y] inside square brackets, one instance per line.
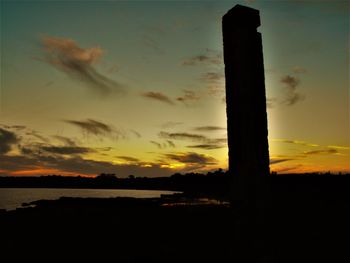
[12, 198]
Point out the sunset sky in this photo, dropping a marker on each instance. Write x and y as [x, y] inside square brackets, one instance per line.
[137, 87]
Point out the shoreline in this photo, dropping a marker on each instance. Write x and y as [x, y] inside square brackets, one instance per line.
[172, 199]
[305, 222]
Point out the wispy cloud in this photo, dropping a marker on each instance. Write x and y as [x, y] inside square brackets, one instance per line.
[159, 145]
[183, 136]
[67, 141]
[137, 134]
[99, 129]
[188, 96]
[69, 148]
[66, 150]
[104, 149]
[23, 131]
[164, 145]
[171, 144]
[339, 147]
[206, 146]
[292, 94]
[38, 158]
[45, 164]
[322, 151]
[7, 140]
[210, 57]
[288, 169]
[92, 126]
[37, 135]
[69, 157]
[212, 77]
[151, 43]
[299, 70]
[78, 63]
[208, 128]
[158, 96]
[129, 159]
[296, 142]
[15, 127]
[205, 142]
[191, 158]
[170, 124]
[290, 81]
[275, 160]
[214, 82]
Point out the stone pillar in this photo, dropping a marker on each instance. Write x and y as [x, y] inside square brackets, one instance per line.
[246, 127]
[246, 100]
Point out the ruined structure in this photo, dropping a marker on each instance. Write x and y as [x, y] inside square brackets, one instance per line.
[246, 103]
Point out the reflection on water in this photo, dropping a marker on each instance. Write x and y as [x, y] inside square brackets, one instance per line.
[12, 198]
[181, 200]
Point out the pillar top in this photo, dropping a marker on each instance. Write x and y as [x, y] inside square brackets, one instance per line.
[242, 16]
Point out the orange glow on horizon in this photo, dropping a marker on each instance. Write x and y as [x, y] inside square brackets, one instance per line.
[280, 170]
[173, 165]
[296, 168]
[45, 171]
[301, 169]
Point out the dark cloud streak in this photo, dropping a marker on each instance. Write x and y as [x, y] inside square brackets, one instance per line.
[38, 136]
[188, 96]
[157, 144]
[171, 144]
[210, 57]
[92, 126]
[66, 150]
[194, 138]
[78, 63]
[182, 136]
[292, 94]
[158, 96]
[7, 140]
[323, 151]
[206, 146]
[129, 159]
[78, 165]
[209, 128]
[65, 140]
[191, 158]
[280, 160]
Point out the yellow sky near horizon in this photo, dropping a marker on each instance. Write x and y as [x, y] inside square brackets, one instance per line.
[138, 88]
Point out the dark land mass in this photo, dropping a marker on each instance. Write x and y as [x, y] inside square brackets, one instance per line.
[308, 221]
[210, 184]
[213, 184]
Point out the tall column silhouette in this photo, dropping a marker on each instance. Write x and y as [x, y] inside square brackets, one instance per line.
[246, 102]
[247, 134]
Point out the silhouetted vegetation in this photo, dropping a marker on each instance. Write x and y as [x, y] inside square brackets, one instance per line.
[213, 183]
[308, 220]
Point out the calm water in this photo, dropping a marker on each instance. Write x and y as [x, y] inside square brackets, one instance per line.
[11, 198]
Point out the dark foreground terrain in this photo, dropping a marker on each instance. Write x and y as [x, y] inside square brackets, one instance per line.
[308, 222]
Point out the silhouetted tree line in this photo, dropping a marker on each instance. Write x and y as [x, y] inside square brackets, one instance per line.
[213, 183]
[312, 186]
[195, 183]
